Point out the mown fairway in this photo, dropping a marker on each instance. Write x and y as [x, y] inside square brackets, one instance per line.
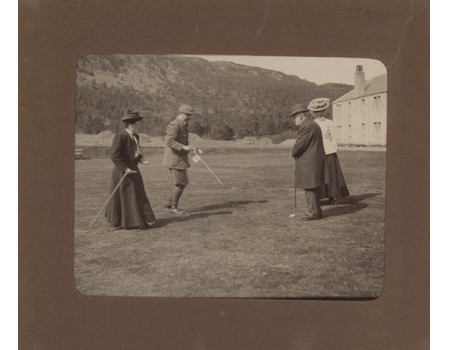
[237, 240]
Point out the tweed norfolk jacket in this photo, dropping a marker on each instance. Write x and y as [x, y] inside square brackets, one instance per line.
[175, 157]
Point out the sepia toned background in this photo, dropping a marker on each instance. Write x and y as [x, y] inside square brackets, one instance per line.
[55, 34]
[237, 239]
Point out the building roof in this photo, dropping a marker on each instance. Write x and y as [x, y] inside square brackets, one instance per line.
[371, 87]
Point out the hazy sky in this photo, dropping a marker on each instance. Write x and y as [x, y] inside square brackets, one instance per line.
[317, 70]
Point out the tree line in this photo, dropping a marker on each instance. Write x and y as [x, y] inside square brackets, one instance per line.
[226, 107]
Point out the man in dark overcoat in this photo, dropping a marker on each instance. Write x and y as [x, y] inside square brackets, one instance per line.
[176, 155]
[310, 160]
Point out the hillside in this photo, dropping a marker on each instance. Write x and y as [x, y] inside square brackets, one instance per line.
[231, 100]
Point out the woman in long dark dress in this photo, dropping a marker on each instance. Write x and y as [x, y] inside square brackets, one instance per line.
[129, 207]
[336, 188]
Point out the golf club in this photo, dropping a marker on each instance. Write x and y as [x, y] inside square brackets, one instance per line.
[109, 198]
[295, 199]
[197, 158]
[295, 204]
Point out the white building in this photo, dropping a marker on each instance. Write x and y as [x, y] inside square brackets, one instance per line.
[360, 115]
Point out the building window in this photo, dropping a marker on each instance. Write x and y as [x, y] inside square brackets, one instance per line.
[363, 105]
[376, 129]
[349, 108]
[363, 129]
[349, 133]
[338, 131]
[377, 103]
[337, 112]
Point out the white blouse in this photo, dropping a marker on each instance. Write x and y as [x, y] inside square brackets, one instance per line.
[138, 150]
[328, 135]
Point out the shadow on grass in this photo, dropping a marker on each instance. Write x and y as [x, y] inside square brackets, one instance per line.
[349, 205]
[229, 204]
[344, 210]
[167, 221]
[359, 197]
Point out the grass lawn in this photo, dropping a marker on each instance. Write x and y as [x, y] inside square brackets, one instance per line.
[237, 240]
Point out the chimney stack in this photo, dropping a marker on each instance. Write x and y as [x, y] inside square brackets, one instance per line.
[360, 79]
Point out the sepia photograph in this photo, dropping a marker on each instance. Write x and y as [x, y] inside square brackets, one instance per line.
[230, 176]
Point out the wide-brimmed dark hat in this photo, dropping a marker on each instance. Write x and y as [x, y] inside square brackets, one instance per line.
[186, 109]
[131, 116]
[301, 107]
[319, 104]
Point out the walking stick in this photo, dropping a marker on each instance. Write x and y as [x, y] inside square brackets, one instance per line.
[207, 167]
[109, 198]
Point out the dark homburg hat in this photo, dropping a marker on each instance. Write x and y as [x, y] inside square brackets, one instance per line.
[301, 107]
[131, 116]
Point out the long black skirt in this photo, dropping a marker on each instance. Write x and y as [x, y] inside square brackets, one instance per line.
[336, 188]
[129, 207]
